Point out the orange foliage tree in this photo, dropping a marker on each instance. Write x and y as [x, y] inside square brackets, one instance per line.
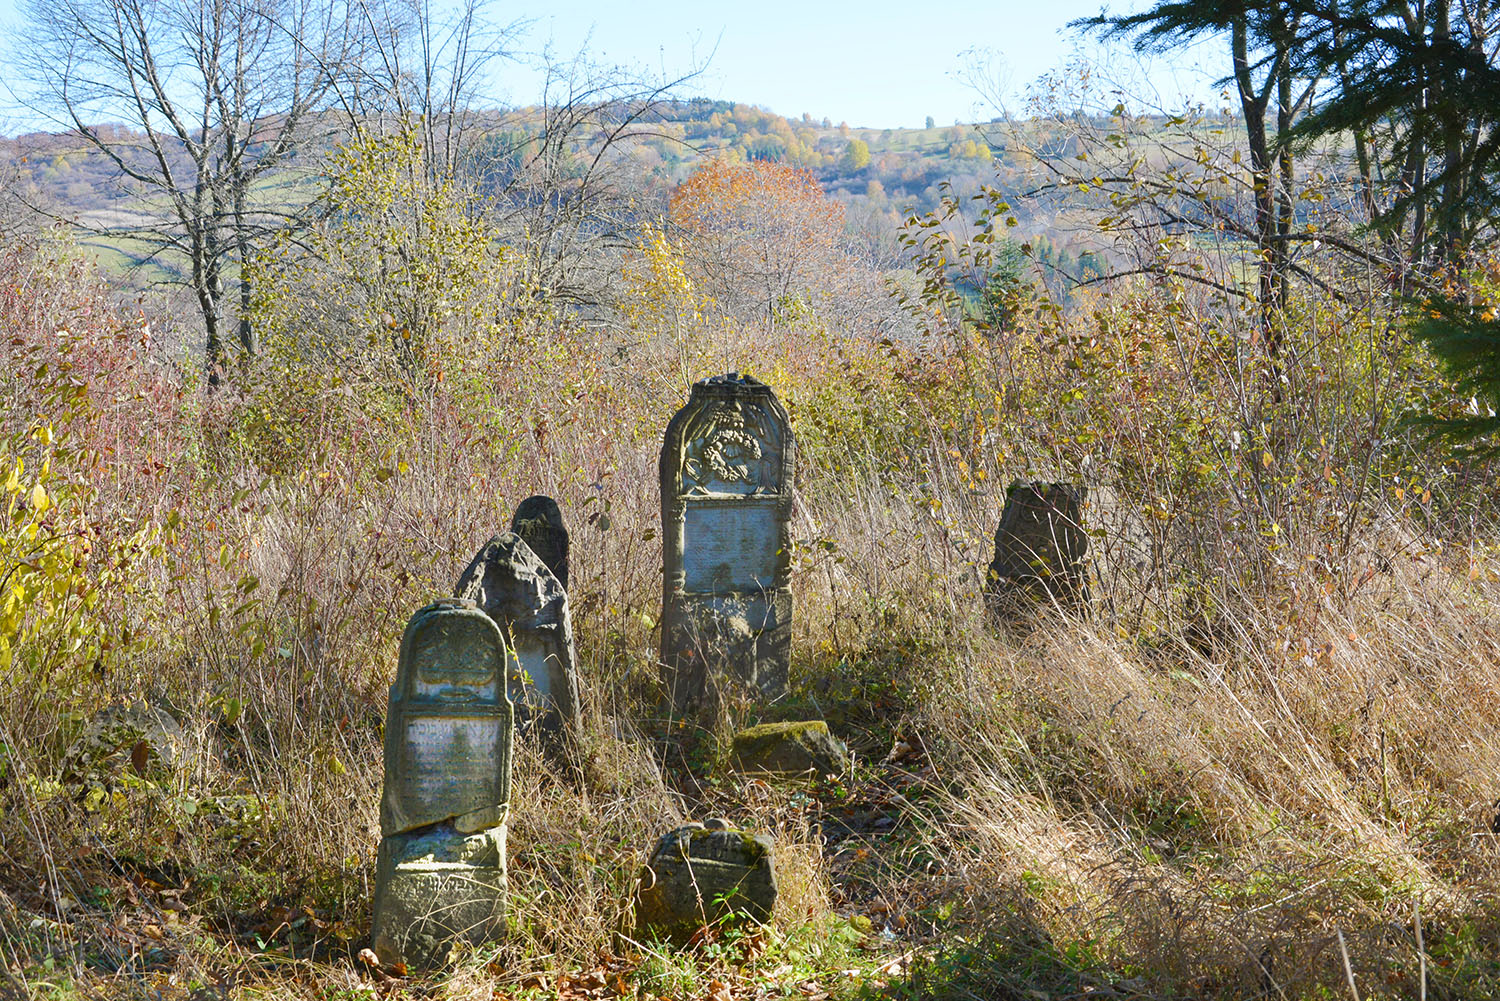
[762, 237]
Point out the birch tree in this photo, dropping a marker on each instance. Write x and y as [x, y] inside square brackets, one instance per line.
[214, 95]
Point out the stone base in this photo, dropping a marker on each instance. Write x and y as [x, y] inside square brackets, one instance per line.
[795, 748]
[435, 887]
[741, 639]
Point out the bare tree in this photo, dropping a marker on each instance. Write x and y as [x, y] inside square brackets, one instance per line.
[557, 179]
[426, 71]
[568, 196]
[216, 95]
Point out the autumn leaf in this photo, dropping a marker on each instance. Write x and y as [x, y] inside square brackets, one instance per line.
[140, 756]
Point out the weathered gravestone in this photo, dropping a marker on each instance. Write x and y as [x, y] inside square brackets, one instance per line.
[726, 503]
[440, 877]
[539, 523]
[701, 876]
[1039, 548]
[144, 738]
[513, 585]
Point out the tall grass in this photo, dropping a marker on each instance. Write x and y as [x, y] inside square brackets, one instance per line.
[1276, 731]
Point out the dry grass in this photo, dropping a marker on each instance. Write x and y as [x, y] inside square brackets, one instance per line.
[1200, 790]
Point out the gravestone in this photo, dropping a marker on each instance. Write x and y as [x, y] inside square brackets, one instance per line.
[726, 504]
[144, 738]
[514, 586]
[1039, 548]
[440, 876]
[704, 875]
[539, 523]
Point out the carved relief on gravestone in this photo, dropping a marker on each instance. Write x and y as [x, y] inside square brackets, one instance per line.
[514, 586]
[1040, 548]
[440, 876]
[726, 495]
[539, 523]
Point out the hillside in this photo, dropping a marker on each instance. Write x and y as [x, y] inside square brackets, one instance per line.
[882, 176]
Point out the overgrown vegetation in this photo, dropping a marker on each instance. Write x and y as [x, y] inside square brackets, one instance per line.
[1262, 764]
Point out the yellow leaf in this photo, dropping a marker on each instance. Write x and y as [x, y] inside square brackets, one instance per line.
[39, 499]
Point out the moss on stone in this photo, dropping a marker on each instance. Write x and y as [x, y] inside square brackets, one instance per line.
[791, 747]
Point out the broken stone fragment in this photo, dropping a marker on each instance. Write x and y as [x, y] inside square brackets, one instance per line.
[700, 876]
[792, 748]
[529, 604]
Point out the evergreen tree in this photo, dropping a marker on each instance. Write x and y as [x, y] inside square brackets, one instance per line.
[1467, 342]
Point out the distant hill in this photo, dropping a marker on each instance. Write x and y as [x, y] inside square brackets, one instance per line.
[882, 176]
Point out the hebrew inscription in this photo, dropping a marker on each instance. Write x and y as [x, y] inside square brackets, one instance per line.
[446, 760]
[730, 547]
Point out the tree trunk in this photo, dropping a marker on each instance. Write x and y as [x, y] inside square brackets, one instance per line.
[1253, 107]
[249, 339]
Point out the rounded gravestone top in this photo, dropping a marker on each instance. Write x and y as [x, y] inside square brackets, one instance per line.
[537, 506]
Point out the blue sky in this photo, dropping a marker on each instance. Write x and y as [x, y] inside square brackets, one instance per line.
[873, 64]
[877, 63]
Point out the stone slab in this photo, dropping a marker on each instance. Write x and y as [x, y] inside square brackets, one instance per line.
[727, 472]
[539, 522]
[449, 727]
[529, 605]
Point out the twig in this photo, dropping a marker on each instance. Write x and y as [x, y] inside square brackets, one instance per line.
[1348, 971]
[1416, 911]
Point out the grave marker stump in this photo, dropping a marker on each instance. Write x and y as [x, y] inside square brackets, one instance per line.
[1039, 549]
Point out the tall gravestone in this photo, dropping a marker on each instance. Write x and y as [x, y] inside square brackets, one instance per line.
[449, 731]
[1040, 548]
[514, 586]
[538, 521]
[726, 504]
